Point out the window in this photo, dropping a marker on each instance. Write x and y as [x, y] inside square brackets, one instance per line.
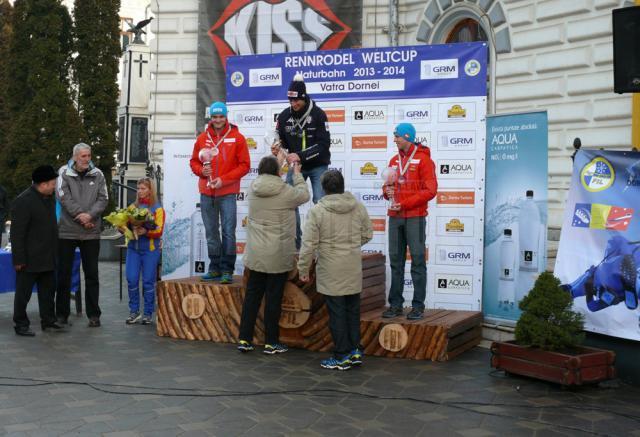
[139, 140]
[463, 24]
[467, 30]
[121, 138]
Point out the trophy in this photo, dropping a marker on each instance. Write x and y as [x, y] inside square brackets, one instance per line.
[206, 155]
[272, 140]
[390, 178]
[7, 229]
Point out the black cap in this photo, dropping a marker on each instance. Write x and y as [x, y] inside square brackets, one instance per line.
[529, 193]
[297, 88]
[44, 173]
[507, 232]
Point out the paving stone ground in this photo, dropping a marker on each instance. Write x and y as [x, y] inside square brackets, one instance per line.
[121, 380]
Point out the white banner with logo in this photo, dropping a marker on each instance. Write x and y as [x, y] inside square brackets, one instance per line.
[365, 93]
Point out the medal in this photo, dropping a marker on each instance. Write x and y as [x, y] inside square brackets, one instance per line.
[402, 169]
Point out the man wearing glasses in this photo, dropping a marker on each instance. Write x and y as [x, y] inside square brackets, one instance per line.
[414, 184]
[304, 132]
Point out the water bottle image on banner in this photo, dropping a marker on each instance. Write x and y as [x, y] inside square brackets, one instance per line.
[507, 257]
[529, 234]
[507, 266]
[198, 254]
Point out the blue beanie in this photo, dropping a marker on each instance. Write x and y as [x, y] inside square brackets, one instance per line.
[218, 108]
[406, 131]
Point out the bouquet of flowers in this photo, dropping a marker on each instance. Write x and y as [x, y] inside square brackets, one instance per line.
[122, 218]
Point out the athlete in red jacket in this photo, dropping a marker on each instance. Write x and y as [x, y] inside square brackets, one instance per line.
[412, 185]
[220, 159]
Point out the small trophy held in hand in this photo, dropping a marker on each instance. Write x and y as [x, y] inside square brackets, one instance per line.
[390, 177]
[272, 139]
[206, 155]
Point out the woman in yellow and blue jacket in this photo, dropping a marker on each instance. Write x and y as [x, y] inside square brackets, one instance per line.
[143, 255]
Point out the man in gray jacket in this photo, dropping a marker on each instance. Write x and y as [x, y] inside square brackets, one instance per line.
[82, 192]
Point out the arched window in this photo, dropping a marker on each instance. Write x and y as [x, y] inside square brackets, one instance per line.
[457, 22]
[467, 30]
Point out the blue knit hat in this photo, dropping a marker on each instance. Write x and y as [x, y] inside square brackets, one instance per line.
[218, 108]
[406, 131]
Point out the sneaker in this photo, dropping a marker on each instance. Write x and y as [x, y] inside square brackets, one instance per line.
[333, 363]
[244, 346]
[415, 314]
[392, 312]
[146, 319]
[355, 357]
[226, 278]
[94, 322]
[211, 276]
[133, 318]
[276, 348]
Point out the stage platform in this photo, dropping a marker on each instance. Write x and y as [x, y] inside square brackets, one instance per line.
[194, 310]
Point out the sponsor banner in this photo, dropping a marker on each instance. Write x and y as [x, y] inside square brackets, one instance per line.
[599, 216]
[252, 27]
[335, 115]
[379, 224]
[454, 255]
[369, 115]
[439, 69]
[367, 170]
[457, 112]
[456, 168]
[448, 283]
[456, 199]
[456, 141]
[337, 143]
[254, 118]
[260, 77]
[365, 94]
[515, 224]
[337, 165]
[180, 251]
[372, 198]
[384, 73]
[424, 138]
[369, 142]
[598, 257]
[455, 226]
[412, 113]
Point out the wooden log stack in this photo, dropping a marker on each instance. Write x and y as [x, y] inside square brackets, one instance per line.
[195, 310]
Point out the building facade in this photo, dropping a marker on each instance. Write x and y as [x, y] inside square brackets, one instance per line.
[554, 55]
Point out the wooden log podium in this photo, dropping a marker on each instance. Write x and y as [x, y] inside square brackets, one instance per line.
[194, 310]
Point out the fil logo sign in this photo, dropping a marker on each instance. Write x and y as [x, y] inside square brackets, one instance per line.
[247, 27]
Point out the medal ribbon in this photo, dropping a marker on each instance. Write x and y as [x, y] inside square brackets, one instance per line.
[403, 168]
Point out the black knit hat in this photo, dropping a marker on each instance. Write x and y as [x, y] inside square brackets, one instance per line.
[44, 173]
[297, 88]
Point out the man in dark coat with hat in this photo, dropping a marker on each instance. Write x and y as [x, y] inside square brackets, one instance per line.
[303, 129]
[34, 241]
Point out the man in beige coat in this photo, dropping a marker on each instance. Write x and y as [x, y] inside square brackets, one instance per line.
[336, 228]
[270, 249]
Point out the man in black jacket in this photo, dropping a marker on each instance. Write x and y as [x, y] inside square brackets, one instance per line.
[303, 130]
[34, 240]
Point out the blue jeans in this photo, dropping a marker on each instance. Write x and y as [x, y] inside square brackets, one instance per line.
[219, 214]
[146, 262]
[405, 232]
[314, 174]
